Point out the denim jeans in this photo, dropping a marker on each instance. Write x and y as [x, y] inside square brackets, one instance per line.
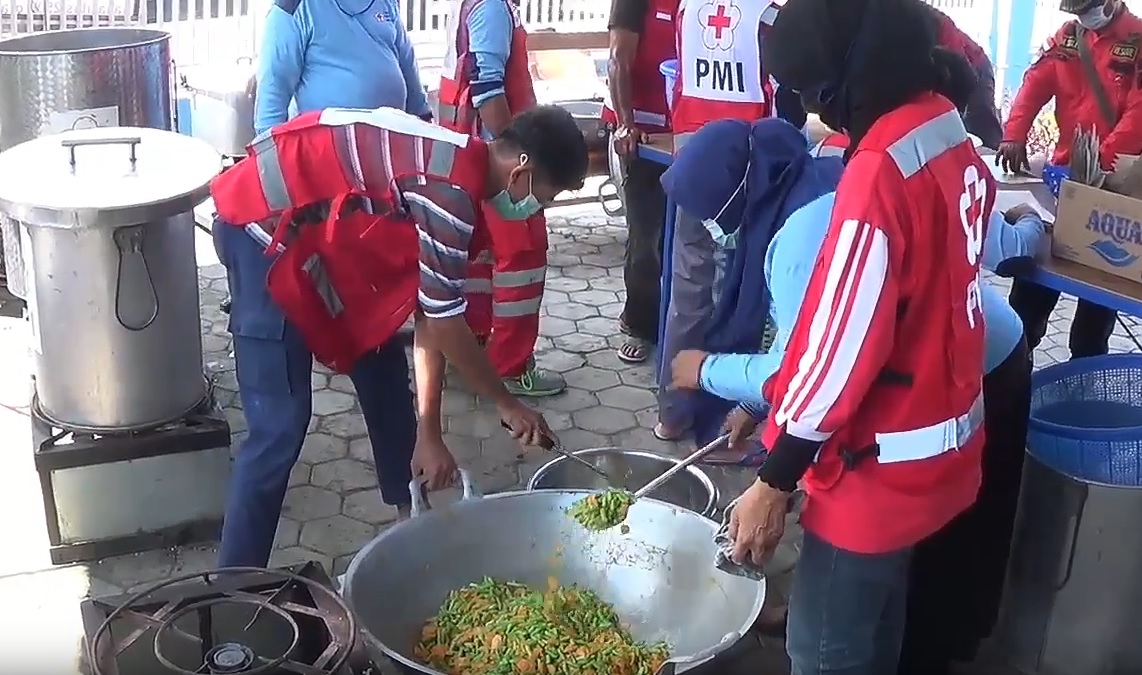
[846, 610]
[274, 368]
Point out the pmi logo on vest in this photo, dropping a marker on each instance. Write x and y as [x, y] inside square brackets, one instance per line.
[1122, 233]
[722, 68]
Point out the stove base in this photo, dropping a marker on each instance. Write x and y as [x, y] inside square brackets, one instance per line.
[253, 618]
[93, 486]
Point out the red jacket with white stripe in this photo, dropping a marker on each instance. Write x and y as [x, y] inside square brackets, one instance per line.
[884, 366]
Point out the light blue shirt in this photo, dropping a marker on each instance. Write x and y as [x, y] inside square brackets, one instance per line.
[335, 54]
[789, 264]
[490, 27]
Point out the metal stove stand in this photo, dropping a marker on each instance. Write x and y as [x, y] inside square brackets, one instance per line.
[238, 620]
[58, 449]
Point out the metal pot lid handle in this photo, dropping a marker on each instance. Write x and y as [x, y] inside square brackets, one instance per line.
[419, 495]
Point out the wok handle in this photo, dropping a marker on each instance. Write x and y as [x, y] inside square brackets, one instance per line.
[419, 503]
[727, 641]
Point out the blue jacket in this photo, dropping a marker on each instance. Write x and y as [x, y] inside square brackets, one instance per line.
[335, 54]
[789, 264]
[706, 181]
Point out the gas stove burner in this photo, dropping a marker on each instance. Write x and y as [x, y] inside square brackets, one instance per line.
[234, 620]
[230, 657]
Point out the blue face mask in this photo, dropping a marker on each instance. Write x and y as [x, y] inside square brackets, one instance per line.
[510, 209]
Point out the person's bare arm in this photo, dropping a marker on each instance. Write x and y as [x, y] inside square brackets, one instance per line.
[428, 366]
[625, 27]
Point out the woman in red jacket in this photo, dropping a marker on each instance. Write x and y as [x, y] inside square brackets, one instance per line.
[877, 405]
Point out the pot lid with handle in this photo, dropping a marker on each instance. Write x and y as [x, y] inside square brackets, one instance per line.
[105, 177]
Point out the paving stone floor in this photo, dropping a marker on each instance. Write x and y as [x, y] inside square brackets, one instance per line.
[332, 506]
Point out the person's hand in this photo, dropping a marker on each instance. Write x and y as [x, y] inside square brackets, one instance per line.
[1012, 157]
[626, 141]
[740, 424]
[757, 523]
[686, 369]
[526, 425]
[1013, 214]
[433, 461]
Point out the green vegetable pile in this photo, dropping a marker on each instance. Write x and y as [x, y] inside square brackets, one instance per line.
[602, 511]
[502, 628]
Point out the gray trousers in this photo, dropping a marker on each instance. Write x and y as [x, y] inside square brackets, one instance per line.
[692, 287]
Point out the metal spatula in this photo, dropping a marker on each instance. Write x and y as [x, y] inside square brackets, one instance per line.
[555, 447]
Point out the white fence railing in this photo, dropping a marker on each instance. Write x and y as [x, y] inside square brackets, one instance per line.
[221, 31]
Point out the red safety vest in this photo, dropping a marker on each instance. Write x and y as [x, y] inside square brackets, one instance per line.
[346, 275]
[720, 74]
[655, 45]
[456, 110]
[904, 425]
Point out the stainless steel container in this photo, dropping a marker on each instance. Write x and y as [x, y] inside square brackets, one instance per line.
[1073, 601]
[222, 105]
[60, 80]
[659, 574]
[630, 469]
[107, 232]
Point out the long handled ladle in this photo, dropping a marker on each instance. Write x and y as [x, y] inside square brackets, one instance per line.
[681, 466]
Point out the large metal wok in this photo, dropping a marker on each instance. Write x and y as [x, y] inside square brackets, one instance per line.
[659, 575]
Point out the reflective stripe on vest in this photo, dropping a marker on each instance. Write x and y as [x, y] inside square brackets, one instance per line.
[933, 440]
[926, 142]
[478, 286]
[270, 171]
[519, 279]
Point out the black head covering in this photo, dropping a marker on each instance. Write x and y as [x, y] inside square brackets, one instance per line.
[1077, 6]
[855, 60]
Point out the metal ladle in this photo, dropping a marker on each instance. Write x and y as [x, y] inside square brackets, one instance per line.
[681, 466]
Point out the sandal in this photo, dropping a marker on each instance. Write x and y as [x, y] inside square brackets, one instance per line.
[665, 433]
[634, 350]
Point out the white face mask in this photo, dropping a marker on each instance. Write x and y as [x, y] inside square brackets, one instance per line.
[1097, 17]
[711, 224]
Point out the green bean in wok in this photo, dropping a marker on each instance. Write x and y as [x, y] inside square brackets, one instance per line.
[503, 628]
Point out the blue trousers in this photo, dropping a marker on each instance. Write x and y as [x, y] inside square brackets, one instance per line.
[273, 366]
[846, 610]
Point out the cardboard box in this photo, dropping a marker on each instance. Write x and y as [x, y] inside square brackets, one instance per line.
[1099, 229]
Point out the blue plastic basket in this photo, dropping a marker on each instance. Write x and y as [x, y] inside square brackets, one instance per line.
[1086, 419]
[669, 70]
[1053, 177]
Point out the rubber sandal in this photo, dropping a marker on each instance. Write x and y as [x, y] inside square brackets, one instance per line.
[660, 432]
[634, 350]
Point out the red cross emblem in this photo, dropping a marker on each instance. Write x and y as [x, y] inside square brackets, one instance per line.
[718, 21]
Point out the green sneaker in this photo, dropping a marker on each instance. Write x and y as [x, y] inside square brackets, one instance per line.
[535, 382]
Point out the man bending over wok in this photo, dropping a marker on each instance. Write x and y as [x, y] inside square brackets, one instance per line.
[340, 225]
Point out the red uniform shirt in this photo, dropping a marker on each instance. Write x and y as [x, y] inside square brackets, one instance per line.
[655, 45]
[884, 365]
[1059, 74]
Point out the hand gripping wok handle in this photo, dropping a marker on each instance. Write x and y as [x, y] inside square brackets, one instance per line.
[419, 503]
